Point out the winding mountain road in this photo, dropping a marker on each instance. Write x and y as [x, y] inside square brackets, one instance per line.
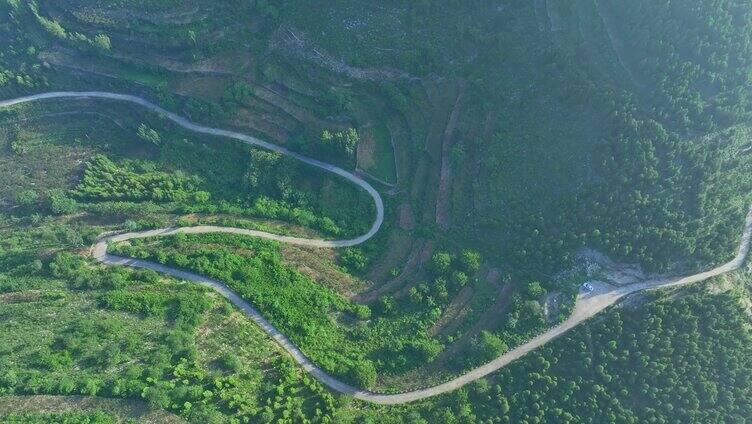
[247, 139]
[587, 306]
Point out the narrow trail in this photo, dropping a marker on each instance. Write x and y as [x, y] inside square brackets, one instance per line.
[588, 304]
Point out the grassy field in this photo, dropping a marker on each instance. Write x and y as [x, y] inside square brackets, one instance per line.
[375, 153]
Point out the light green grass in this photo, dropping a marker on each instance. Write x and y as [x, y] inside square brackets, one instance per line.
[383, 167]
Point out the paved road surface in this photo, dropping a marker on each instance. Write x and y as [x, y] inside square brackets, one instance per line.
[588, 304]
[187, 124]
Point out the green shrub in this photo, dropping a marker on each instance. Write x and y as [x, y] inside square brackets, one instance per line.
[441, 262]
[230, 362]
[342, 143]
[149, 135]
[459, 278]
[363, 373]
[534, 290]
[59, 203]
[354, 259]
[362, 312]
[102, 41]
[470, 261]
[487, 346]
[27, 198]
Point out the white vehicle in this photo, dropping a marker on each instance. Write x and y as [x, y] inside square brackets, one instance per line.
[588, 287]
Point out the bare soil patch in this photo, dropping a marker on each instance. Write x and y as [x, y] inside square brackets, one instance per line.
[603, 268]
[122, 409]
[366, 149]
[318, 264]
[420, 253]
[445, 179]
[405, 216]
[454, 314]
[21, 297]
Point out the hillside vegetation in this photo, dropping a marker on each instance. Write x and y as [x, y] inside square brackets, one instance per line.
[505, 137]
[684, 358]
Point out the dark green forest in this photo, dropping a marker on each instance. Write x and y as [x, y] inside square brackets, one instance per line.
[681, 359]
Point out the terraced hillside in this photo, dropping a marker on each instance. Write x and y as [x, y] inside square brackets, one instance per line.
[514, 144]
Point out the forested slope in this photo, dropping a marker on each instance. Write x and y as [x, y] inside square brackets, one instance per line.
[685, 358]
[603, 164]
[695, 54]
[567, 136]
[504, 136]
[593, 132]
